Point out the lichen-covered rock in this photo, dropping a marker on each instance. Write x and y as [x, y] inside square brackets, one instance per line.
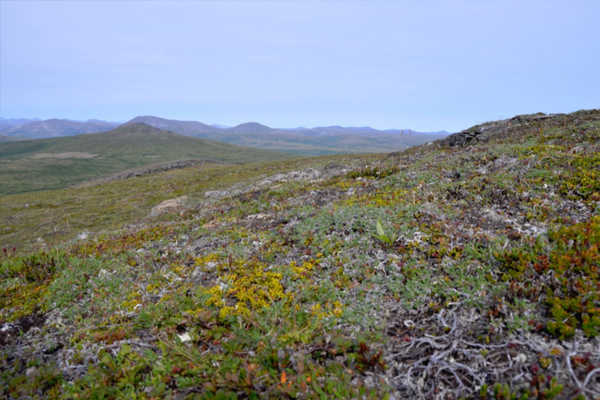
[309, 174]
[168, 205]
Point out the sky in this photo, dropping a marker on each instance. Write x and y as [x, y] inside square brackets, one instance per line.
[424, 65]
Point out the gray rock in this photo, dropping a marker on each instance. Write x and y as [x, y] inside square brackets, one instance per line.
[215, 194]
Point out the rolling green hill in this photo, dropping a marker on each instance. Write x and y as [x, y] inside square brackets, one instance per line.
[59, 162]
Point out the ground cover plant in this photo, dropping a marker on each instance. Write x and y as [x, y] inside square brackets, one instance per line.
[466, 268]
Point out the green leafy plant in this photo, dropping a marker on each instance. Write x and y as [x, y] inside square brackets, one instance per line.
[383, 236]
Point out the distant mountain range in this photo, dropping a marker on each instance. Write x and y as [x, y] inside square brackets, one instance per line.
[363, 131]
[17, 121]
[305, 141]
[58, 128]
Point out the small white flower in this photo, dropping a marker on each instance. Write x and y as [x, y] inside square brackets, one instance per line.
[185, 337]
[521, 358]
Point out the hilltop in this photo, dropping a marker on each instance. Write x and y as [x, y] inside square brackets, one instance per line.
[464, 268]
[250, 127]
[57, 163]
[188, 128]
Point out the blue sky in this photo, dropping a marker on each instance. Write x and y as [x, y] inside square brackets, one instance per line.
[427, 65]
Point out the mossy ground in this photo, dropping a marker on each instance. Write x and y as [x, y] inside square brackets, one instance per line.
[482, 282]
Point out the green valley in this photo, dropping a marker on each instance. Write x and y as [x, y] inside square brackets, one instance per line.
[47, 164]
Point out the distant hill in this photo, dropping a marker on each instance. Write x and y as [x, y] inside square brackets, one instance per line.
[188, 128]
[59, 162]
[336, 130]
[362, 131]
[57, 128]
[115, 123]
[250, 127]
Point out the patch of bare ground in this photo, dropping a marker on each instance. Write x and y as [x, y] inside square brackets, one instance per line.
[68, 154]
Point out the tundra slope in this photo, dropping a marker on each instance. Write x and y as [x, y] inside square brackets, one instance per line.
[481, 281]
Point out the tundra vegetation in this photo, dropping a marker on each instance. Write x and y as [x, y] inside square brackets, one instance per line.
[466, 268]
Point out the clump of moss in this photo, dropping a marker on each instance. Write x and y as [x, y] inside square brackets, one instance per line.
[575, 261]
[583, 180]
[247, 286]
[572, 258]
[121, 243]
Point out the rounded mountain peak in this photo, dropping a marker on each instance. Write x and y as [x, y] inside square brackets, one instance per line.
[250, 127]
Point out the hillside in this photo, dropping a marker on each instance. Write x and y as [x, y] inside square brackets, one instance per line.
[57, 163]
[465, 268]
[4, 127]
[5, 139]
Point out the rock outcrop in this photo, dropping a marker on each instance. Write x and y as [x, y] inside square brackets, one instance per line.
[151, 169]
[484, 132]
